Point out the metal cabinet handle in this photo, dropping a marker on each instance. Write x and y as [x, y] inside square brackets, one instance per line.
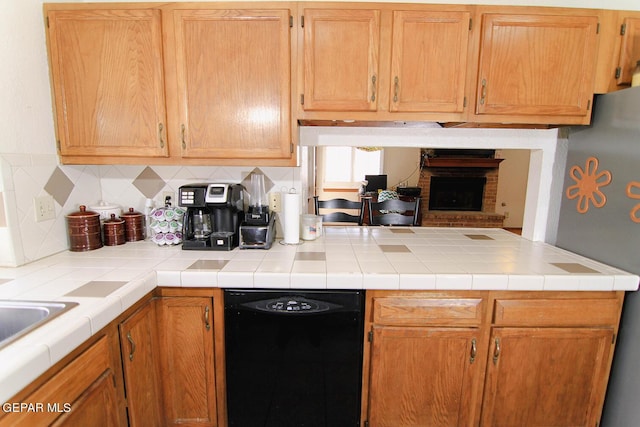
[484, 91]
[184, 144]
[496, 351]
[133, 345]
[474, 351]
[160, 129]
[373, 88]
[396, 88]
[206, 318]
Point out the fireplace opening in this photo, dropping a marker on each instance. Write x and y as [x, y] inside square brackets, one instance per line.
[456, 194]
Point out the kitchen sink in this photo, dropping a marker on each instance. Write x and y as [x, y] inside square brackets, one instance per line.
[18, 317]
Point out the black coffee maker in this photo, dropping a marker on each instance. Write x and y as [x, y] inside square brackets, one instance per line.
[213, 216]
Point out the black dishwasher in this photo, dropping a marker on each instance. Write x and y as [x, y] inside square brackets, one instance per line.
[293, 357]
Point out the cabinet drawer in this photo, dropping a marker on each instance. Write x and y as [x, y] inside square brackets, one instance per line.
[406, 311]
[556, 312]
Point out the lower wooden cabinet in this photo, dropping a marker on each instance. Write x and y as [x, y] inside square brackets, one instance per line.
[488, 358]
[139, 349]
[422, 376]
[546, 376]
[187, 360]
[86, 391]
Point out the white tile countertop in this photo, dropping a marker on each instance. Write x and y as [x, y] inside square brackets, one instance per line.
[107, 281]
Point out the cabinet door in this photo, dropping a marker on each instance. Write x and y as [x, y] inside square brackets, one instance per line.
[108, 82]
[83, 393]
[537, 65]
[94, 407]
[187, 359]
[429, 61]
[629, 50]
[233, 79]
[546, 376]
[422, 376]
[341, 49]
[138, 341]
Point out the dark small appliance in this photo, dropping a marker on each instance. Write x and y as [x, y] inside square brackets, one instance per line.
[213, 215]
[258, 230]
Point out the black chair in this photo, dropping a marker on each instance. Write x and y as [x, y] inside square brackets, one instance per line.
[339, 216]
[394, 212]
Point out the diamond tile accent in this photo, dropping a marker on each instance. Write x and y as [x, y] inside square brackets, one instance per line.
[311, 256]
[246, 181]
[96, 289]
[574, 267]
[401, 231]
[149, 183]
[208, 264]
[394, 248]
[59, 186]
[478, 237]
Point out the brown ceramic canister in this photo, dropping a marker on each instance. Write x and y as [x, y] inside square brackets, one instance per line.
[113, 231]
[134, 225]
[84, 230]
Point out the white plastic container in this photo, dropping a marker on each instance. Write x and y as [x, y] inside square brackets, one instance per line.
[309, 226]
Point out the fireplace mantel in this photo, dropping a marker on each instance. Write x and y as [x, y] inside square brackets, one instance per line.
[461, 162]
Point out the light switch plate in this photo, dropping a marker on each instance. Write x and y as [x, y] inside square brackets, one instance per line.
[44, 208]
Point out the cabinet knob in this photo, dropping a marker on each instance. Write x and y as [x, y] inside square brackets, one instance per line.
[496, 351]
[184, 144]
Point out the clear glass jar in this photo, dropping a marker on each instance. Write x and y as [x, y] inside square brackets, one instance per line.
[635, 79]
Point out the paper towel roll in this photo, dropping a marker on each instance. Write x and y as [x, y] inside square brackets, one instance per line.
[291, 214]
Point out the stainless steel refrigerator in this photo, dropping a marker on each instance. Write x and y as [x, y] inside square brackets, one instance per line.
[600, 218]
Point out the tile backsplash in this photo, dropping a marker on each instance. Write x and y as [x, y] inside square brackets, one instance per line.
[25, 177]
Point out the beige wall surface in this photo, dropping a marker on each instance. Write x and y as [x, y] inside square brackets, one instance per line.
[512, 186]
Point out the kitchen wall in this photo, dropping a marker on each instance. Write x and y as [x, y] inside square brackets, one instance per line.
[28, 163]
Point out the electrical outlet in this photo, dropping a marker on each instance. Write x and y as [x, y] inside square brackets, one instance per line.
[506, 214]
[169, 197]
[44, 208]
[275, 201]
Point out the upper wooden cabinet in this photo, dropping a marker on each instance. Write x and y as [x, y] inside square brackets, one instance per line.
[536, 68]
[108, 82]
[429, 61]
[629, 49]
[341, 59]
[172, 83]
[385, 62]
[233, 71]
[619, 50]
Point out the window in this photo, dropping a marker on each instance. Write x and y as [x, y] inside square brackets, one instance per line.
[345, 167]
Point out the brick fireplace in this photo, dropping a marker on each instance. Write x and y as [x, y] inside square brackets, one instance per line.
[459, 188]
